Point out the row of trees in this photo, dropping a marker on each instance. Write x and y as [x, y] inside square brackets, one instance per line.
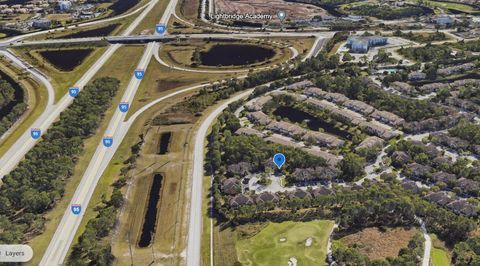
[93, 246]
[388, 12]
[427, 53]
[10, 108]
[39, 180]
[376, 205]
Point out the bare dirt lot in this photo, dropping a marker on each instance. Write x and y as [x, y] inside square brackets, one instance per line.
[295, 11]
[379, 244]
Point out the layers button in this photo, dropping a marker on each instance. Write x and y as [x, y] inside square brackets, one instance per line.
[15, 253]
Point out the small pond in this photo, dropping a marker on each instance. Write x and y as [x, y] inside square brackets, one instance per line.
[235, 55]
[66, 60]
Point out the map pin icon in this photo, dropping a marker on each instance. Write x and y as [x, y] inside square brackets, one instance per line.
[279, 160]
[281, 15]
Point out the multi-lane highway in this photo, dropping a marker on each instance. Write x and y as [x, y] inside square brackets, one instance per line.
[117, 129]
[18, 150]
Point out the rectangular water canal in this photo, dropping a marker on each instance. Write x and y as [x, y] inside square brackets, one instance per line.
[148, 229]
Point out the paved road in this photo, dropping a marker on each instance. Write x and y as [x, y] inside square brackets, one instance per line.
[66, 230]
[91, 23]
[195, 224]
[157, 38]
[40, 77]
[18, 150]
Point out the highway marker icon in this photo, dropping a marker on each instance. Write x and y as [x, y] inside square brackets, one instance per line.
[123, 106]
[281, 15]
[139, 73]
[76, 209]
[36, 133]
[160, 28]
[107, 141]
[73, 91]
[279, 160]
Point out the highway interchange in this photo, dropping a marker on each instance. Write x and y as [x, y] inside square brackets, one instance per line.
[118, 125]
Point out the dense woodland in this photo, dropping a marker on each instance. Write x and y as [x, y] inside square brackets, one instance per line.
[427, 53]
[388, 12]
[32, 189]
[7, 98]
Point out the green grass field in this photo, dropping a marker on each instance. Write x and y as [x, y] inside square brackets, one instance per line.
[439, 257]
[265, 248]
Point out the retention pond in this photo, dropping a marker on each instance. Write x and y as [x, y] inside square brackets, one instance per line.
[66, 60]
[235, 55]
[148, 229]
[164, 143]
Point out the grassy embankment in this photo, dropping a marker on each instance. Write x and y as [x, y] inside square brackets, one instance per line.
[37, 98]
[61, 80]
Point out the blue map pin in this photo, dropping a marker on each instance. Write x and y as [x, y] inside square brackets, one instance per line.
[279, 160]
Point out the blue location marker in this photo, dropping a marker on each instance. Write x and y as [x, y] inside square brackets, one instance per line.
[123, 106]
[73, 91]
[107, 142]
[139, 73]
[160, 28]
[35, 133]
[281, 15]
[76, 209]
[279, 160]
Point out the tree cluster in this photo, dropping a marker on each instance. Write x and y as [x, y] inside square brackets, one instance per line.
[427, 53]
[39, 180]
[9, 110]
[387, 12]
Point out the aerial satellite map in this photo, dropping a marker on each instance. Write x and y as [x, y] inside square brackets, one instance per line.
[240, 132]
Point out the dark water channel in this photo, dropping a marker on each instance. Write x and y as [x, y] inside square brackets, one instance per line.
[235, 55]
[122, 6]
[148, 229]
[98, 32]
[313, 123]
[18, 95]
[164, 143]
[66, 60]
